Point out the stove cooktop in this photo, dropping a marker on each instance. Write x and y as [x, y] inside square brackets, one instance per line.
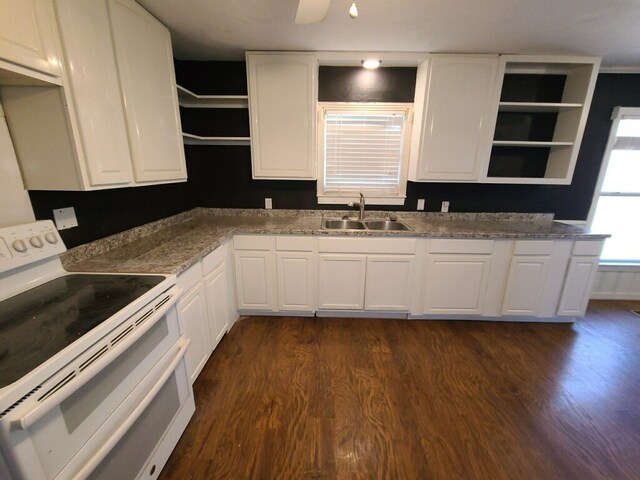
[38, 323]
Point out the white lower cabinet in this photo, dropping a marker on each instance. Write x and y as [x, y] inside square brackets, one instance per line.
[206, 310]
[388, 282]
[456, 283]
[215, 287]
[525, 284]
[341, 280]
[192, 313]
[373, 274]
[255, 272]
[296, 281]
[581, 275]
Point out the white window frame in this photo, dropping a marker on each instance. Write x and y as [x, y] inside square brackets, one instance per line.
[345, 198]
[619, 113]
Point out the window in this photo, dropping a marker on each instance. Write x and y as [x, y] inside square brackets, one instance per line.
[616, 205]
[364, 148]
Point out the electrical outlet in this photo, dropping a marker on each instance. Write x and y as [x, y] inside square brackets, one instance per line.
[65, 218]
[420, 204]
[268, 204]
[445, 206]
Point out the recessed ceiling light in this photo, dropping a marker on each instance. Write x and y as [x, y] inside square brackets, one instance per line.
[370, 64]
[353, 10]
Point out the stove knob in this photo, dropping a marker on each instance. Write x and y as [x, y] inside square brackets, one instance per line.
[36, 241]
[51, 238]
[19, 246]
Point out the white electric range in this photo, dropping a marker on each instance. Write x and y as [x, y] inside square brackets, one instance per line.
[93, 381]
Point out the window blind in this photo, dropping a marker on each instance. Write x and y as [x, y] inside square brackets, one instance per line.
[363, 152]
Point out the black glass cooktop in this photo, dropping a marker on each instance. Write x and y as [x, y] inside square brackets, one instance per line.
[38, 323]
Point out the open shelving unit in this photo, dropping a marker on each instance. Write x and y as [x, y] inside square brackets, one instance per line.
[225, 123]
[544, 103]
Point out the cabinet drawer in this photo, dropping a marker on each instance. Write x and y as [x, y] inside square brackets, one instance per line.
[187, 279]
[254, 242]
[588, 247]
[367, 245]
[533, 247]
[447, 245]
[213, 259]
[296, 244]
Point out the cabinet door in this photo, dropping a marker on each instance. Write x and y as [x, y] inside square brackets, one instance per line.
[341, 281]
[577, 287]
[388, 282]
[145, 64]
[456, 283]
[28, 35]
[282, 98]
[95, 90]
[215, 286]
[525, 284]
[296, 281]
[459, 116]
[255, 280]
[192, 313]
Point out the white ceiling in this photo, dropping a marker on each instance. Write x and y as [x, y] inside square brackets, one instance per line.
[224, 29]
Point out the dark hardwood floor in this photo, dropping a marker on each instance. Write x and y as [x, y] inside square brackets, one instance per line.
[295, 398]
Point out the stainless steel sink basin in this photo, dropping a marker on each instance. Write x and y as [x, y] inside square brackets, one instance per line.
[385, 225]
[342, 224]
[388, 225]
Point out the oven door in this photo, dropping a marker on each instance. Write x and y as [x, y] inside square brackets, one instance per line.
[67, 429]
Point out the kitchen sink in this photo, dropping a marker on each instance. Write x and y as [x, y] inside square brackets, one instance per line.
[342, 224]
[388, 225]
[385, 225]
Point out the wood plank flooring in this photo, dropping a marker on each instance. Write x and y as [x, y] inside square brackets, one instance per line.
[307, 398]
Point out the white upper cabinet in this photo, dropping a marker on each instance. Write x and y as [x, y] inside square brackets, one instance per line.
[27, 36]
[282, 99]
[95, 90]
[145, 63]
[455, 106]
[114, 121]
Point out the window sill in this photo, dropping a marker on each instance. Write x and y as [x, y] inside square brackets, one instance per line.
[609, 266]
[333, 200]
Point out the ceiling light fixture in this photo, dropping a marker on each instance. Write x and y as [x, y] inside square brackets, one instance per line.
[371, 64]
[353, 10]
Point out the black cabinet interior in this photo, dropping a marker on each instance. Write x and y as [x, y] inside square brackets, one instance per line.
[529, 87]
[526, 126]
[516, 162]
[215, 122]
[212, 78]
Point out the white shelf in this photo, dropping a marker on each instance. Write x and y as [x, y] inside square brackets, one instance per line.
[528, 180]
[512, 143]
[536, 107]
[190, 139]
[186, 98]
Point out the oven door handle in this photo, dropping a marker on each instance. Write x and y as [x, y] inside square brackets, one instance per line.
[36, 413]
[167, 368]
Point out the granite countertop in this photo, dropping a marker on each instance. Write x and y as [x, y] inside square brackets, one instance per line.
[174, 244]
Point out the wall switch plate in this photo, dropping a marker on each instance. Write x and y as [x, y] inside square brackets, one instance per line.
[420, 204]
[268, 204]
[444, 207]
[65, 218]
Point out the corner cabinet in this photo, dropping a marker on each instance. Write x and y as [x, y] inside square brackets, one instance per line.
[282, 99]
[455, 107]
[28, 37]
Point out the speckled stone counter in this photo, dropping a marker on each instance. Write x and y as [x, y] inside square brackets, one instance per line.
[173, 244]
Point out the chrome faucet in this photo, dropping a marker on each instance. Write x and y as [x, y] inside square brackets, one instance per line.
[360, 205]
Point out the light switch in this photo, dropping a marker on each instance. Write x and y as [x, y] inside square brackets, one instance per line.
[267, 204]
[420, 204]
[445, 206]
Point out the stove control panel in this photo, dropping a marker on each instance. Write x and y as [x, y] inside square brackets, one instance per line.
[28, 243]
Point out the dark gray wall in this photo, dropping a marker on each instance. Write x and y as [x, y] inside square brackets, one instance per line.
[220, 176]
